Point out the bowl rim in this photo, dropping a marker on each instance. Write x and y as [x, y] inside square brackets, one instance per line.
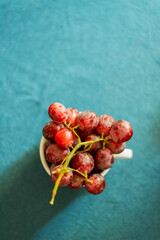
[126, 154]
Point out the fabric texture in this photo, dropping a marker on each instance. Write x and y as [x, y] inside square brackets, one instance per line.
[94, 55]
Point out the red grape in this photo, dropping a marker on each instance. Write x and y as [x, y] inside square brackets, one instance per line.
[98, 184]
[72, 116]
[55, 154]
[105, 124]
[121, 131]
[104, 159]
[83, 162]
[65, 180]
[76, 182]
[96, 145]
[50, 129]
[116, 147]
[57, 112]
[64, 137]
[87, 120]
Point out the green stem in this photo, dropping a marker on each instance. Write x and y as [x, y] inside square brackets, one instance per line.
[56, 187]
[71, 154]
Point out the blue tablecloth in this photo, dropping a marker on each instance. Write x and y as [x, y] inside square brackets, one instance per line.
[94, 55]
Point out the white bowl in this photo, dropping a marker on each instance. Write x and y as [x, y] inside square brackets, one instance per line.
[127, 154]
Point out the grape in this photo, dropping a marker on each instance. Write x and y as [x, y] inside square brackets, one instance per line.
[104, 159]
[55, 154]
[72, 116]
[121, 131]
[50, 129]
[76, 182]
[105, 123]
[98, 184]
[64, 137]
[83, 162]
[65, 180]
[87, 120]
[57, 112]
[96, 145]
[116, 147]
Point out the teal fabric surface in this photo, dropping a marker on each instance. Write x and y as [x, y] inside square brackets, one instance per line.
[94, 55]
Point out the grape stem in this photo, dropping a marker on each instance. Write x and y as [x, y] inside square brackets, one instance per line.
[66, 161]
[56, 187]
[73, 130]
[84, 175]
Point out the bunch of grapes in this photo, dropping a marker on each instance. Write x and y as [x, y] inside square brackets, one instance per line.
[79, 145]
